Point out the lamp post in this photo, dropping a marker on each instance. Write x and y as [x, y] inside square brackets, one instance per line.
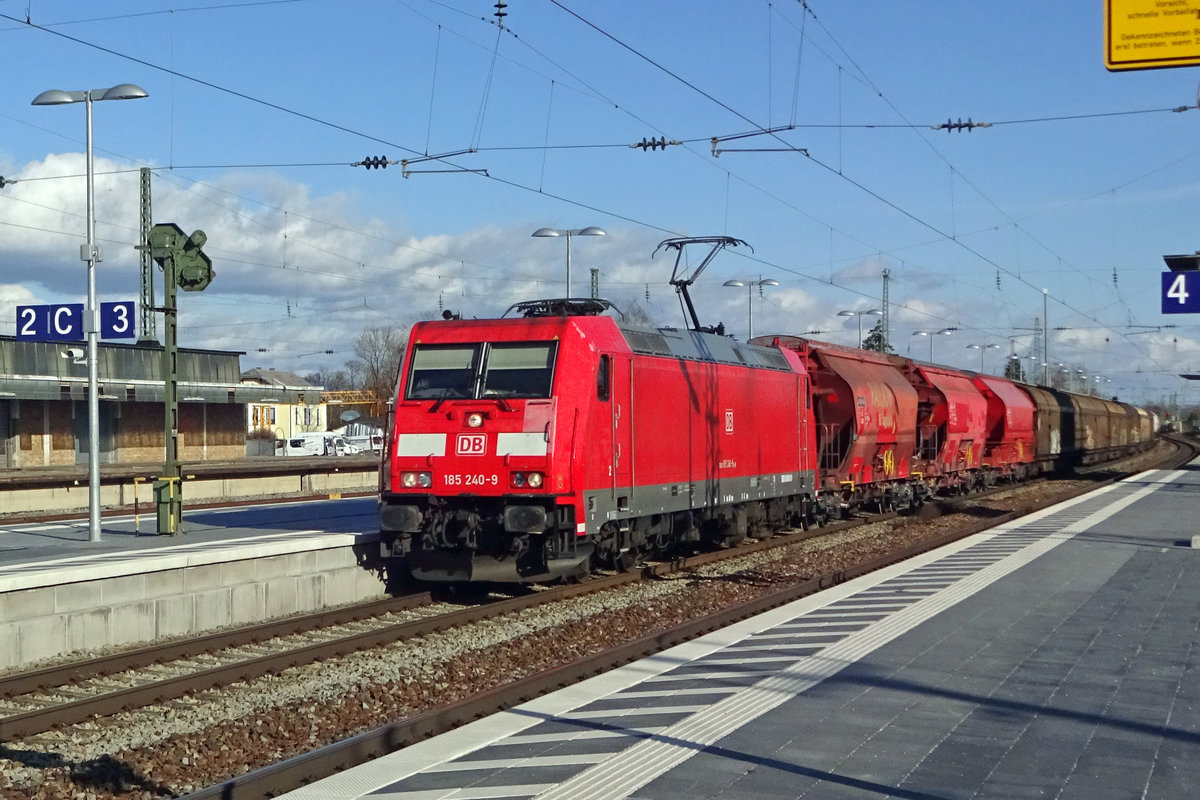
[859, 314]
[91, 254]
[982, 348]
[931, 334]
[569, 232]
[1045, 336]
[750, 299]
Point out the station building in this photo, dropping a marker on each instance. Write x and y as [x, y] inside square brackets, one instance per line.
[43, 403]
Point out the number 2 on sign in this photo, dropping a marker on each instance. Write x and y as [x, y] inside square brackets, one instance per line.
[1178, 290]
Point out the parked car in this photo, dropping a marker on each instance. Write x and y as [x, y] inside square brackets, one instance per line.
[314, 444]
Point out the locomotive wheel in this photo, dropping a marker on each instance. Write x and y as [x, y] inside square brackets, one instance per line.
[622, 561]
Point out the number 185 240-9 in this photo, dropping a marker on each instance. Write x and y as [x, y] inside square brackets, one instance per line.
[473, 479]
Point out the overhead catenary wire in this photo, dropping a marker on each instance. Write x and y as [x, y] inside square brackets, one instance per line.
[539, 189]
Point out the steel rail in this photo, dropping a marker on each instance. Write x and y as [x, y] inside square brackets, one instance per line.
[39, 720]
[19, 683]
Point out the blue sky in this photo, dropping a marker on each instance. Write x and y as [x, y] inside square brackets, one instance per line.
[256, 109]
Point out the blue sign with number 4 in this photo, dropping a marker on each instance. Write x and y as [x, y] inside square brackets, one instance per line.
[1181, 292]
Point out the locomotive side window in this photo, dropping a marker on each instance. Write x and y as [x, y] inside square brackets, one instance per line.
[443, 371]
[602, 379]
[524, 369]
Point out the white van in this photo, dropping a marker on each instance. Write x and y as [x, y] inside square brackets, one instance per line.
[362, 444]
[313, 444]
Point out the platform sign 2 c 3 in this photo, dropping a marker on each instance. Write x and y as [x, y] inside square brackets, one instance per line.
[64, 322]
[1181, 292]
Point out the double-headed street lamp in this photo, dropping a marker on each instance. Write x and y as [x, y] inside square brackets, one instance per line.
[931, 334]
[569, 232]
[750, 299]
[982, 348]
[91, 254]
[860, 315]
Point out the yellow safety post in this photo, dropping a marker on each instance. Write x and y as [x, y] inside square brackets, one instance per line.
[137, 517]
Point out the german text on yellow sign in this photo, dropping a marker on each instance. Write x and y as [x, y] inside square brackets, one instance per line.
[1151, 34]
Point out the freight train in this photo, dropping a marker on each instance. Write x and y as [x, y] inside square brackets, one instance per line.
[545, 444]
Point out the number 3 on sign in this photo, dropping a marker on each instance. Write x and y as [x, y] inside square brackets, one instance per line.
[1180, 294]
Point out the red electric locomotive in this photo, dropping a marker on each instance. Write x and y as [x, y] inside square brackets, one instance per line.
[529, 448]
[542, 445]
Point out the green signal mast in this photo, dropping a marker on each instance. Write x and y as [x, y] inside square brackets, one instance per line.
[185, 266]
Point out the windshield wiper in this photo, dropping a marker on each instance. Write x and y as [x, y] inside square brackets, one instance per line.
[441, 399]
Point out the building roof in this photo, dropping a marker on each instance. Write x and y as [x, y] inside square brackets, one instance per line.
[277, 377]
[32, 370]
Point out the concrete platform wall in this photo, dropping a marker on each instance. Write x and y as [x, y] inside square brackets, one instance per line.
[47, 622]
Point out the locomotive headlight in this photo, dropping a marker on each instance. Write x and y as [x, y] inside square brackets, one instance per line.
[474, 420]
[531, 479]
[415, 480]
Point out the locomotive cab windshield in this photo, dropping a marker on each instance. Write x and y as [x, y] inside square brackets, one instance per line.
[521, 370]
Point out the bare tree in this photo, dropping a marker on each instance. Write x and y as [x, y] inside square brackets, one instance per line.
[336, 381]
[636, 316]
[377, 358]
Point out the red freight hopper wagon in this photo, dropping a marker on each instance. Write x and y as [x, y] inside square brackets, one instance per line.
[951, 426]
[864, 408]
[529, 448]
[1009, 447]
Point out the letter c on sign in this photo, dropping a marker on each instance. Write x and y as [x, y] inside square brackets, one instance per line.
[62, 320]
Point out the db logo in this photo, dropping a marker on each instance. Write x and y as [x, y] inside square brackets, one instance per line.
[471, 444]
[729, 420]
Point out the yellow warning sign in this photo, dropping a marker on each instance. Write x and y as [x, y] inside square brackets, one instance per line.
[1151, 34]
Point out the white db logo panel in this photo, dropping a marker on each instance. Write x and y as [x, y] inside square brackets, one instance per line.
[471, 444]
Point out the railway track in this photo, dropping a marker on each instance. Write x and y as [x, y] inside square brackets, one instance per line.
[39, 701]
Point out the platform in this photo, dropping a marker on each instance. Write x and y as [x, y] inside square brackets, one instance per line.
[60, 592]
[40, 492]
[1052, 657]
